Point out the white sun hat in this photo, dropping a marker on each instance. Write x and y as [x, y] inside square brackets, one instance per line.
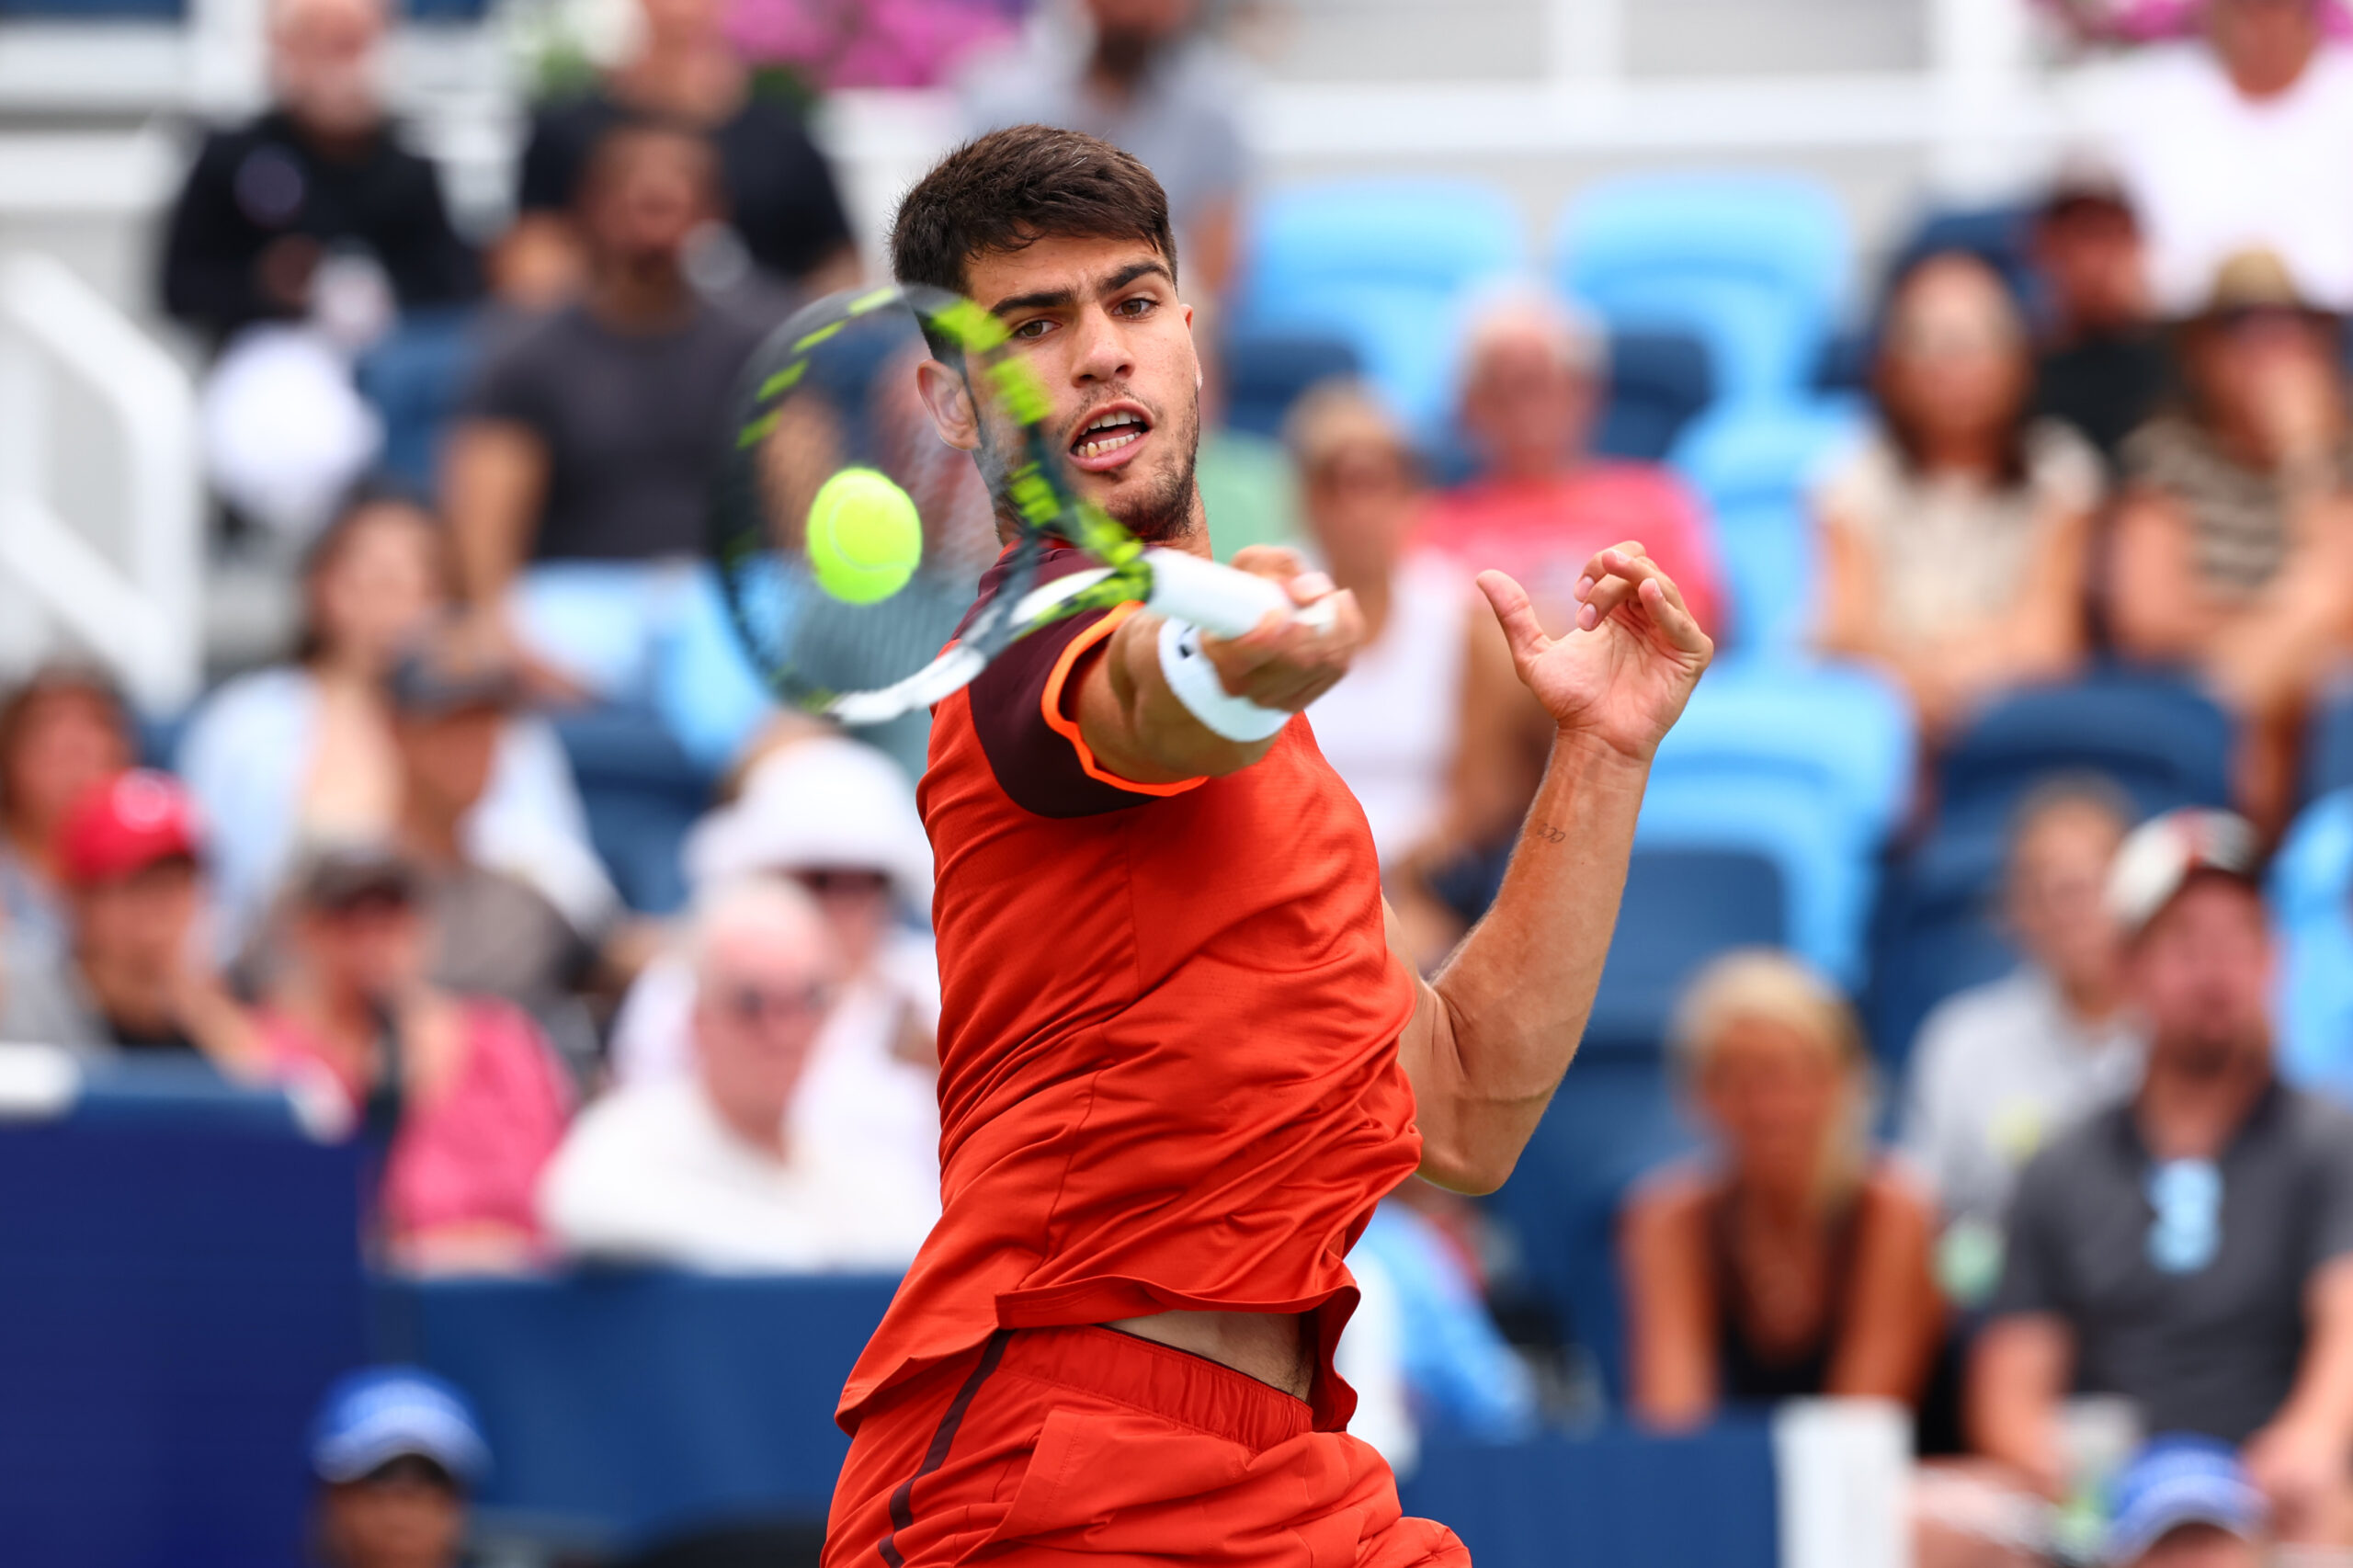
[820, 805]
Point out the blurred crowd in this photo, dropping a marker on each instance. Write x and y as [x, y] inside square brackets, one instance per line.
[366, 872]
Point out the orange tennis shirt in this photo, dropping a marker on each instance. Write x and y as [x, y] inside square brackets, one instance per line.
[1169, 1015]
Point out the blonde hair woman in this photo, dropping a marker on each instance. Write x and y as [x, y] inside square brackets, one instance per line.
[1790, 1259]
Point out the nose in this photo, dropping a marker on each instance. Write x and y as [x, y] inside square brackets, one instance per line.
[1101, 352]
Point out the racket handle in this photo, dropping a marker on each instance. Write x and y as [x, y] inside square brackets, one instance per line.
[1219, 599]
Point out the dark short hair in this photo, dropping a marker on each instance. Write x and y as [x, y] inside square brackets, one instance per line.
[1011, 188]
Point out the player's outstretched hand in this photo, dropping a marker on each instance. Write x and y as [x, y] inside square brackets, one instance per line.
[1622, 676]
[1289, 663]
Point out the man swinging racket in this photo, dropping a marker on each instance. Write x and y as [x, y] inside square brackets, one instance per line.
[1180, 1058]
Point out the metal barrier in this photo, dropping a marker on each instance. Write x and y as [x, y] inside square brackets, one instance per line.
[139, 614]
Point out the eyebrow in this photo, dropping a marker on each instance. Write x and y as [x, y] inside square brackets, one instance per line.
[1057, 299]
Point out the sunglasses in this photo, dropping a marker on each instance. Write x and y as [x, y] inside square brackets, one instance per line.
[759, 1006]
[834, 882]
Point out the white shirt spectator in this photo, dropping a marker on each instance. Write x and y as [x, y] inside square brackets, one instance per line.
[2213, 172]
[1390, 727]
[651, 1174]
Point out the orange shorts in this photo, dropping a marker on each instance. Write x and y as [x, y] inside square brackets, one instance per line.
[1043, 1445]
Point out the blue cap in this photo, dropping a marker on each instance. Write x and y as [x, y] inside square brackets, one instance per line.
[370, 1418]
[2177, 1481]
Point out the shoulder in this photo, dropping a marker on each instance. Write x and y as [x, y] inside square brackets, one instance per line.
[2062, 466]
[2322, 1128]
[1673, 1200]
[1895, 1201]
[1865, 480]
[2083, 1149]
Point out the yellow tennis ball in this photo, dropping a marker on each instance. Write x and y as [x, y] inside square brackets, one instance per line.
[865, 539]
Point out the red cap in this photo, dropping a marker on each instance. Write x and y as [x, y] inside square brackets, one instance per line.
[126, 824]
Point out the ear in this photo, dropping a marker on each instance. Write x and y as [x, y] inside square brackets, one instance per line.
[950, 402]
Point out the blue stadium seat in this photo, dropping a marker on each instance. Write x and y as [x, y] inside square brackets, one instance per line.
[1840, 728]
[1755, 264]
[1799, 828]
[1386, 263]
[642, 793]
[1935, 933]
[2311, 897]
[1757, 464]
[1682, 906]
[2151, 732]
[1659, 382]
[1265, 373]
[414, 379]
[1614, 1119]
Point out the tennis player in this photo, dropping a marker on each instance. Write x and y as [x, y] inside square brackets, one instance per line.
[1181, 1059]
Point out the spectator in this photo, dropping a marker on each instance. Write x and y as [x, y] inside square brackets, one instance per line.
[395, 1451]
[1533, 378]
[315, 193]
[1955, 541]
[2001, 1068]
[2233, 550]
[1427, 1334]
[494, 933]
[2241, 143]
[777, 208]
[134, 974]
[1431, 727]
[1139, 74]
[305, 750]
[2102, 367]
[2191, 1251]
[715, 1170]
[62, 733]
[1799, 1263]
[461, 1095]
[577, 477]
[2185, 1503]
[839, 820]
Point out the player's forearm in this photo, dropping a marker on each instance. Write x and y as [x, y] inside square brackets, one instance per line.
[1517, 993]
[1136, 726]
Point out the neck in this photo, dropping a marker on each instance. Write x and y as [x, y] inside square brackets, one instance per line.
[428, 832]
[761, 1127]
[31, 847]
[641, 296]
[1778, 1200]
[2189, 1113]
[2088, 999]
[1372, 582]
[700, 81]
[1977, 454]
[135, 996]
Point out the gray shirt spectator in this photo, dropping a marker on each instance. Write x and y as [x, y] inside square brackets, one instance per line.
[2213, 1350]
[1999, 1070]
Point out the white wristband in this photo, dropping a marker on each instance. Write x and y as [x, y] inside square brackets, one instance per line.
[1195, 681]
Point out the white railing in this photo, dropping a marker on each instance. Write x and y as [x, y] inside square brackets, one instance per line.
[137, 606]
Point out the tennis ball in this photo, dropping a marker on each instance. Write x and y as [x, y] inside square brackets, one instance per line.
[864, 537]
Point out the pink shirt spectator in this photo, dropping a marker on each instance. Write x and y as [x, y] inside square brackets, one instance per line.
[1542, 531]
[470, 1154]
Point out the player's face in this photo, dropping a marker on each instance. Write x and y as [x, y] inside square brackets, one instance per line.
[1100, 322]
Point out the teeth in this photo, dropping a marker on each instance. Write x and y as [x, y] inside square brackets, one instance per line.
[1110, 444]
[1108, 421]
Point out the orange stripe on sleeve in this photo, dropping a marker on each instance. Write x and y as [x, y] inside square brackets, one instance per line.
[1067, 727]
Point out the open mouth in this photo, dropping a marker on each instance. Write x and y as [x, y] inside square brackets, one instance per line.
[1105, 441]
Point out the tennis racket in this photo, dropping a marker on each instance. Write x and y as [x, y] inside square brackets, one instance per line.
[833, 389]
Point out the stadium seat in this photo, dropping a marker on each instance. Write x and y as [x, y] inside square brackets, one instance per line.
[1755, 264]
[1827, 876]
[1386, 263]
[1613, 1118]
[642, 793]
[1682, 906]
[2152, 733]
[1934, 932]
[1267, 371]
[413, 379]
[2311, 897]
[1659, 382]
[1841, 728]
[1757, 464]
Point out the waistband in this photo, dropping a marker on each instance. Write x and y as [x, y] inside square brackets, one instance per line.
[1159, 1379]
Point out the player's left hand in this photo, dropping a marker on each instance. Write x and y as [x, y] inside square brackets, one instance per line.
[1622, 676]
